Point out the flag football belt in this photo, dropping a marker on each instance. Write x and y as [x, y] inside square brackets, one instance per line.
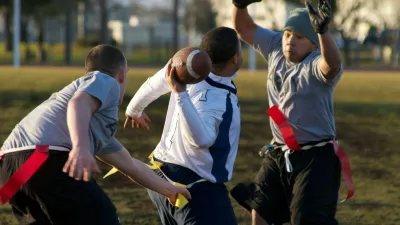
[27, 170]
[156, 165]
[292, 145]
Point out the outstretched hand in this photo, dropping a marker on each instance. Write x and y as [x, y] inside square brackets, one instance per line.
[321, 17]
[141, 121]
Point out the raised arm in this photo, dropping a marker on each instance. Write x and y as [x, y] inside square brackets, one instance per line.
[262, 40]
[244, 25]
[330, 63]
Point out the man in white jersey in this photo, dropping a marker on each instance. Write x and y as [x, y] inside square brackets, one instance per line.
[297, 184]
[201, 133]
[47, 160]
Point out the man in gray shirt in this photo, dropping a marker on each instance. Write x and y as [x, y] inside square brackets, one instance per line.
[73, 126]
[296, 185]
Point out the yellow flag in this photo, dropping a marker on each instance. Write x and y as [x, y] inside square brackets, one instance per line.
[111, 172]
[181, 201]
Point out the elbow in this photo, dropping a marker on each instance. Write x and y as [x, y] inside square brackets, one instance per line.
[203, 143]
[335, 67]
[336, 63]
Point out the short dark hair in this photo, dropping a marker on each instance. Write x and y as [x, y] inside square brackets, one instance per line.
[106, 59]
[221, 44]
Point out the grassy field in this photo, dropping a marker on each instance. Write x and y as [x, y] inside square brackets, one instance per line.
[367, 109]
[143, 56]
[140, 56]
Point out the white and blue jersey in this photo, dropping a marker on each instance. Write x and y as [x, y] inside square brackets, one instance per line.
[202, 126]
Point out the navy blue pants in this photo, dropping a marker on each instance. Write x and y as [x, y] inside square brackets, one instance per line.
[210, 203]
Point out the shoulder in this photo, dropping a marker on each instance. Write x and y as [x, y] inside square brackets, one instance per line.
[101, 86]
[211, 98]
[313, 57]
[97, 78]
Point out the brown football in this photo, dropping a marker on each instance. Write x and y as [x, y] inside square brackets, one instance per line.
[192, 65]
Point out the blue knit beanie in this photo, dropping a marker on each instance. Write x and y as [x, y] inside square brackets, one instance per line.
[299, 21]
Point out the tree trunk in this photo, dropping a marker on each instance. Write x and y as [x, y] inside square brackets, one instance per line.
[103, 22]
[40, 23]
[24, 39]
[175, 40]
[395, 47]
[7, 29]
[43, 53]
[81, 19]
[346, 49]
[68, 32]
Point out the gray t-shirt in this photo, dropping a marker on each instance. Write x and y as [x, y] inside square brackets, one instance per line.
[47, 123]
[300, 90]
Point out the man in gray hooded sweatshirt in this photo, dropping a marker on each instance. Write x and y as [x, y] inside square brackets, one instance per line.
[296, 184]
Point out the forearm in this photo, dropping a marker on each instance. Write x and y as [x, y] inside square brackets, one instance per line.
[195, 128]
[242, 19]
[79, 114]
[137, 171]
[331, 59]
[150, 90]
[143, 175]
[243, 24]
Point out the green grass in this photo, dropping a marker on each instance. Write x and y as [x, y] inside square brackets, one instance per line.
[367, 110]
[141, 56]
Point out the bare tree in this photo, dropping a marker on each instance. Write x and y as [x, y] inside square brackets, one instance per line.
[103, 21]
[68, 32]
[345, 21]
[175, 26]
[7, 28]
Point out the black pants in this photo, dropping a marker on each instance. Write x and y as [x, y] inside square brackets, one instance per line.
[52, 197]
[307, 196]
[210, 203]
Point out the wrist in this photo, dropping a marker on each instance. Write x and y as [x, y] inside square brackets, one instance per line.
[322, 32]
[133, 113]
[169, 190]
[323, 29]
[179, 96]
[80, 147]
[240, 7]
[178, 91]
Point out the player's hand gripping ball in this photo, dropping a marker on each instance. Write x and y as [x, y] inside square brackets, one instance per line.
[191, 65]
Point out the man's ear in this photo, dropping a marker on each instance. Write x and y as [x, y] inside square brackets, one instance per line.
[121, 76]
[314, 46]
[235, 58]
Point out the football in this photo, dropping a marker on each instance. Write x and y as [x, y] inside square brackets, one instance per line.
[192, 65]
